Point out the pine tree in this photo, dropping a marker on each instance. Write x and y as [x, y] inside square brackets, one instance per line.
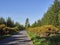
[2, 21]
[9, 22]
[51, 16]
[27, 24]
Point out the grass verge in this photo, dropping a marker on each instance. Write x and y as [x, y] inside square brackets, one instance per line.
[37, 40]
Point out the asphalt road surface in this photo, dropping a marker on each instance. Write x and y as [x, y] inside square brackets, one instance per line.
[21, 38]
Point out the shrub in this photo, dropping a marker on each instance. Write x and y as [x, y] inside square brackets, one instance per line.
[6, 30]
[13, 30]
[2, 26]
[16, 28]
[44, 31]
[1, 29]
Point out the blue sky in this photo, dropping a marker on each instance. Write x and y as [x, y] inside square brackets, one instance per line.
[19, 10]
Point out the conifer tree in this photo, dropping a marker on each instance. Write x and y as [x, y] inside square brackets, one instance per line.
[27, 24]
[51, 16]
[9, 22]
[2, 21]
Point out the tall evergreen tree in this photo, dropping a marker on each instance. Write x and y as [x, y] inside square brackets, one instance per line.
[9, 22]
[2, 21]
[51, 16]
[27, 24]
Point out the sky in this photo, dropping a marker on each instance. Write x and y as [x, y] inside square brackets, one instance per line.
[19, 10]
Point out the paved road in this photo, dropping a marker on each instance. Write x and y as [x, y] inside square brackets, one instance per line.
[19, 39]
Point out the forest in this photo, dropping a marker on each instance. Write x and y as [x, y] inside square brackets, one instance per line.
[8, 27]
[45, 31]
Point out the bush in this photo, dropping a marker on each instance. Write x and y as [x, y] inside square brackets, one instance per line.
[7, 30]
[1, 29]
[12, 30]
[2, 26]
[44, 31]
[16, 28]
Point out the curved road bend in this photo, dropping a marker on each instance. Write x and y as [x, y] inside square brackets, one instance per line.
[19, 39]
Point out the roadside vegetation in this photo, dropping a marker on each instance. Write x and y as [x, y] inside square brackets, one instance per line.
[8, 28]
[45, 35]
[46, 31]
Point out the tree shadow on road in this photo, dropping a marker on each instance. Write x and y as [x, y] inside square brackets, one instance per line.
[15, 40]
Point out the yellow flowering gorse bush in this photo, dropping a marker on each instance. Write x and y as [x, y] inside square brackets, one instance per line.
[44, 31]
